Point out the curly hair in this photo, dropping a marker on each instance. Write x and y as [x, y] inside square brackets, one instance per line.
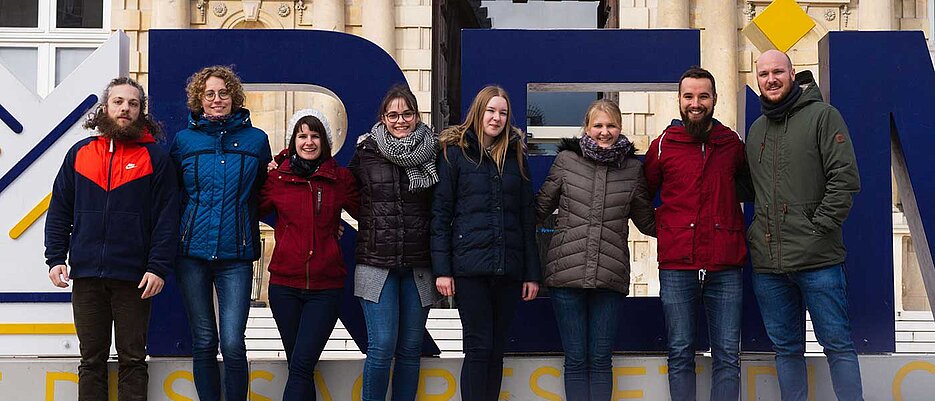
[95, 117]
[196, 87]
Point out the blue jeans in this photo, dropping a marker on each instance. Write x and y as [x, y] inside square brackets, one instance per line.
[721, 293]
[587, 321]
[305, 319]
[394, 327]
[197, 280]
[486, 306]
[783, 299]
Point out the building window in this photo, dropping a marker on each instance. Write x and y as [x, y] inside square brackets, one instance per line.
[19, 14]
[79, 14]
[42, 42]
[22, 62]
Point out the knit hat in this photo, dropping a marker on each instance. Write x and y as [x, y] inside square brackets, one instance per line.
[314, 113]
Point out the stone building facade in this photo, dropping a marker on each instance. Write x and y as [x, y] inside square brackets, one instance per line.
[403, 28]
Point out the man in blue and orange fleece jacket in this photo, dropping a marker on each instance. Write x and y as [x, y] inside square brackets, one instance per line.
[114, 217]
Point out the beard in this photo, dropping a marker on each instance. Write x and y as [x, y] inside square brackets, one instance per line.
[698, 129]
[109, 128]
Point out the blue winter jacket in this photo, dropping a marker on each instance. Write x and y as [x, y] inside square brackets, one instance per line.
[222, 166]
[483, 222]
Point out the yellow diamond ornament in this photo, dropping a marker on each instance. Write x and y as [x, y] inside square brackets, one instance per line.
[780, 26]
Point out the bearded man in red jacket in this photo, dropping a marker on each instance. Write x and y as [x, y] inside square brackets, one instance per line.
[701, 241]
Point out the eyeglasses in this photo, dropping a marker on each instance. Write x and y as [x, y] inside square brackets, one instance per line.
[394, 116]
[223, 94]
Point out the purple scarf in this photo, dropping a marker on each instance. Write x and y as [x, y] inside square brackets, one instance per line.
[613, 155]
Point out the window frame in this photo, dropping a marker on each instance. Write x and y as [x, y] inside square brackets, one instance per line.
[46, 38]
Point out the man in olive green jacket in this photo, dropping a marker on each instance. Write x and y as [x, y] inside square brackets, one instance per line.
[804, 173]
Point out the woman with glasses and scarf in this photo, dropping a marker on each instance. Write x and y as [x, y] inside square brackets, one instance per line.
[222, 159]
[395, 166]
[307, 191]
[597, 185]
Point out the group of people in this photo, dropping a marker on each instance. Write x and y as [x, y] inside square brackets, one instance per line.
[454, 214]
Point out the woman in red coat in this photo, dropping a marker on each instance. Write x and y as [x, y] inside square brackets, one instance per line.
[307, 191]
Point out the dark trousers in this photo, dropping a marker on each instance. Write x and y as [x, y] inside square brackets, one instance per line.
[305, 319]
[99, 303]
[486, 306]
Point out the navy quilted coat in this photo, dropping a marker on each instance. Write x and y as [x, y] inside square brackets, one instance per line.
[483, 222]
[222, 166]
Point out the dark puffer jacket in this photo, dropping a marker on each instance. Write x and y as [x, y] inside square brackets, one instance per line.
[594, 201]
[394, 222]
[483, 222]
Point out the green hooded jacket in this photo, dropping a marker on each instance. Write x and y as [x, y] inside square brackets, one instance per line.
[804, 173]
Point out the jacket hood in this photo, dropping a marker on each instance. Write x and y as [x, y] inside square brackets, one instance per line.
[719, 133]
[574, 145]
[810, 92]
[327, 170]
[239, 118]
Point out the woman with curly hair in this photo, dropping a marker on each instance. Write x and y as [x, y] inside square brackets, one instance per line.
[222, 159]
[483, 235]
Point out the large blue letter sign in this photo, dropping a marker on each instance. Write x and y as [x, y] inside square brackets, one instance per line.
[358, 72]
[577, 56]
[354, 69]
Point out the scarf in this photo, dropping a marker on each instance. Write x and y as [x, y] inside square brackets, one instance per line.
[416, 153]
[304, 168]
[613, 155]
[777, 111]
[216, 118]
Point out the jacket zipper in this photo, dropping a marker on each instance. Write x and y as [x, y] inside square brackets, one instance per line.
[242, 214]
[311, 250]
[775, 199]
[400, 239]
[110, 171]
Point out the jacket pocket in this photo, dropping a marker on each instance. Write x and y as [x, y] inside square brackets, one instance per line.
[761, 255]
[125, 229]
[86, 239]
[731, 249]
[187, 223]
[289, 252]
[802, 240]
[676, 238]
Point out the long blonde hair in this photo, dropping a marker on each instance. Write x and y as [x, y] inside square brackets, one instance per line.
[474, 120]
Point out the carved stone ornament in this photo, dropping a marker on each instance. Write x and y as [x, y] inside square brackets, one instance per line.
[749, 10]
[202, 7]
[220, 9]
[284, 10]
[300, 8]
[830, 15]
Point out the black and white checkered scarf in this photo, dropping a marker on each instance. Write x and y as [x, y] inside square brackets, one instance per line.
[416, 153]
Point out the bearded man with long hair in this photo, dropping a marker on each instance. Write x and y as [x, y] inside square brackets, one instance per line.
[111, 231]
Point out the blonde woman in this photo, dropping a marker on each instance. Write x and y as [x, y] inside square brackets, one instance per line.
[483, 235]
[597, 185]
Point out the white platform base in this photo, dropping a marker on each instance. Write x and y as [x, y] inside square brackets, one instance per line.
[902, 377]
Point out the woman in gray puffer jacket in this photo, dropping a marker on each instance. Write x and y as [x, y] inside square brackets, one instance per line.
[596, 184]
